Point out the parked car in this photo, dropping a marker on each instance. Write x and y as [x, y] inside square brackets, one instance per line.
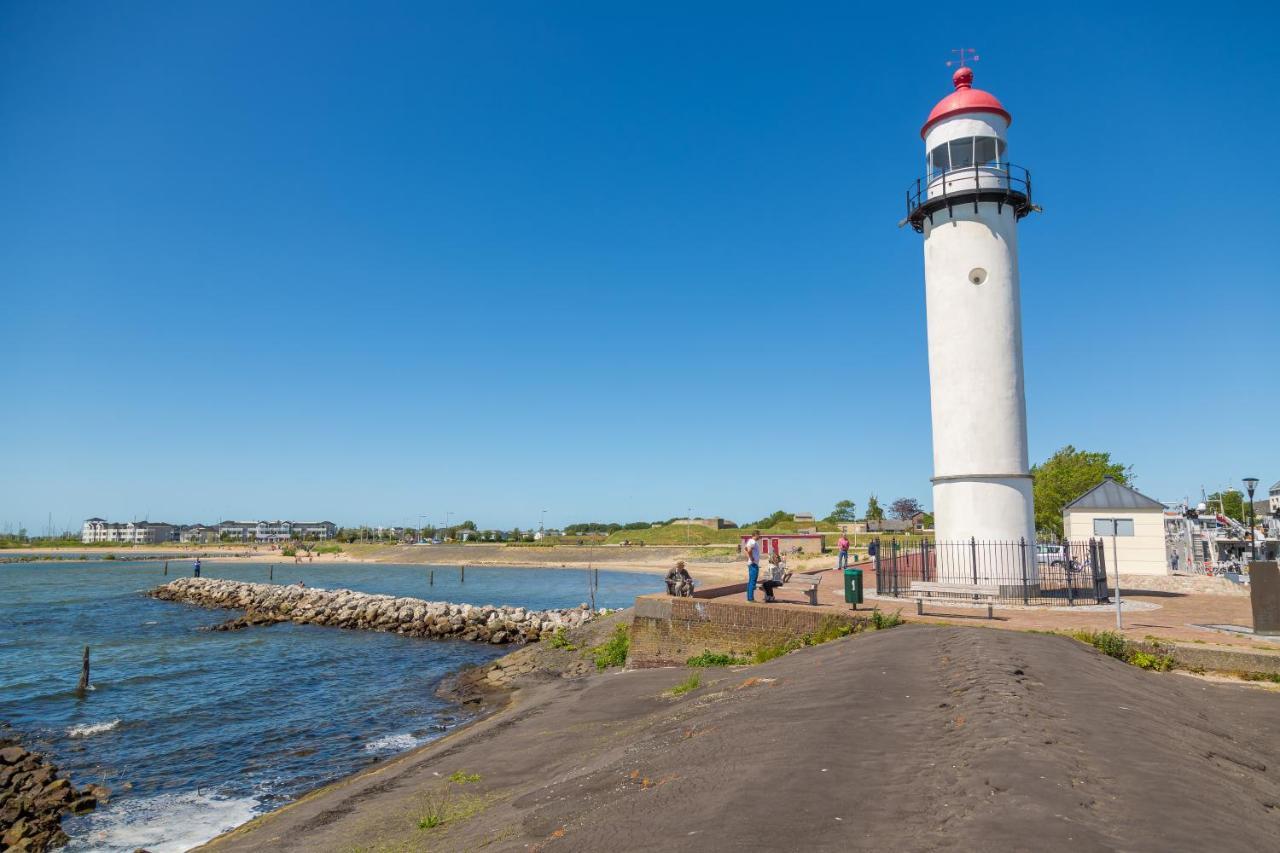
[1051, 555]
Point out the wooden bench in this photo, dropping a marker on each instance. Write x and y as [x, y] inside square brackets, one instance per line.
[968, 591]
[809, 584]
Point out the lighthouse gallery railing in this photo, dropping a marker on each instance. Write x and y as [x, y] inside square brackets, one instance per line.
[1001, 183]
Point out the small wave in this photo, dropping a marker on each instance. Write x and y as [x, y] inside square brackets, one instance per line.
[92, 729]
[166, 823]
[393, 743]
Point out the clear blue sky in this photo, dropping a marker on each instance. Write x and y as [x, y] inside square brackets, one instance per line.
[364, 261]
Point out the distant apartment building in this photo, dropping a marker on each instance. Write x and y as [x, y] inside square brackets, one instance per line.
[145, 532]
[136, 532]
[275, 531]
[1273, 496]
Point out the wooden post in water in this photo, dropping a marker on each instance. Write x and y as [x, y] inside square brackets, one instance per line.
[166, 568]
[271, 572]
[464, 574]
[432, 578]
[84, 673]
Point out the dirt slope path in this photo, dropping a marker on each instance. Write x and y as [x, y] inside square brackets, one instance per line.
[919, 738]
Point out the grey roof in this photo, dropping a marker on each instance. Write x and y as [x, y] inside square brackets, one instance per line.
[1275, 486]
[1112, 495]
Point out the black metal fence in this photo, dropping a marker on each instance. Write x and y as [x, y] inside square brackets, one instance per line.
[1062, 573]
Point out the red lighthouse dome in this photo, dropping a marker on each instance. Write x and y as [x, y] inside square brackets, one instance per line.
[965, 99]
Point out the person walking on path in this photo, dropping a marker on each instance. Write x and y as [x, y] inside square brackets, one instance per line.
[843, 561]
[197, 568]
[752, 549]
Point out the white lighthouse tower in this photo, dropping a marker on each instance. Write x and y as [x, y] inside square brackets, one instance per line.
[968, 206]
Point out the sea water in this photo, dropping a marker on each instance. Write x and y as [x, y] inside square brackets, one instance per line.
[196, 731]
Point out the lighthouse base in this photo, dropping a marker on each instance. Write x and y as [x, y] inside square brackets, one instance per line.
[994, 516]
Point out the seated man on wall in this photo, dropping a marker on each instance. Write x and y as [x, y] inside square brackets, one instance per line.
[679, 582]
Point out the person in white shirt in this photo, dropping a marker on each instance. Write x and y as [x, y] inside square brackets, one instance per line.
[752, 550]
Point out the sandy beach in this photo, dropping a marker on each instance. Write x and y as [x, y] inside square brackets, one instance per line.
[707, 564]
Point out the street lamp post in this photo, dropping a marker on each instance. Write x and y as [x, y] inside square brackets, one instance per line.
[1251, 483]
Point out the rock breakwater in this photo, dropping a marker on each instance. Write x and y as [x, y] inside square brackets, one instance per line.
[345, 608]
[33, 799]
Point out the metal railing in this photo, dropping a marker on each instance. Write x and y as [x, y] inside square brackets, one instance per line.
[1002, 183]
[1063, 573]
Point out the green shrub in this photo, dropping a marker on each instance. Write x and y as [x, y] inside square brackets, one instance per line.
[1115, 645]
[462, 778]
[691, 683]
[715, 659]
[289, 552]
[1145, 660]
[1108, 642]
[613, 652]
[881, 620]
[559, 640]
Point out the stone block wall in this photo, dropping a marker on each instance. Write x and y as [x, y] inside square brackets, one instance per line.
[668, 631]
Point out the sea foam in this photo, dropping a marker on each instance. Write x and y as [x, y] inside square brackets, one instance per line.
[92, 729]
[165, 823]
[393, 743]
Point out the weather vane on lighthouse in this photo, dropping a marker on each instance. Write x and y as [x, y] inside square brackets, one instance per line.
[967, 206]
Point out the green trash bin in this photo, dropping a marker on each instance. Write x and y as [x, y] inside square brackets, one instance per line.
[853, 586]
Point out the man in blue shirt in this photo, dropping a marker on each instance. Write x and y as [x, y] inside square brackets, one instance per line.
[752, 549]
[197, 572]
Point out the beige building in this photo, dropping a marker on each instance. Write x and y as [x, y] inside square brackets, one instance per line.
[1135, 520]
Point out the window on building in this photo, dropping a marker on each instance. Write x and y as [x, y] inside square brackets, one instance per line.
[1113, 527]
[961, 152]
[938, 160]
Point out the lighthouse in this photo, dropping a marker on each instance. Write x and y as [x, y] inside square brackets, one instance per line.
[967, 206]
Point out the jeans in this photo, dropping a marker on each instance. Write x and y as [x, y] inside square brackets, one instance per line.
[843, 562]
[753, 575]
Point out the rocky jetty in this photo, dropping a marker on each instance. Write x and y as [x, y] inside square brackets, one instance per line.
[344, 608]
[33, 799]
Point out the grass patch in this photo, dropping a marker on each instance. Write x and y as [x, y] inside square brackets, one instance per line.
[715, 659]
[767, 651]
[1261, 676]
[560, 640]
[289, 552]
[693, 682]
[613, 652]
[331, 548]
[441, 806]
[1115, 645]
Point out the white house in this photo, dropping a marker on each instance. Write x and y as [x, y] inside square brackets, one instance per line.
[97, 530]
[1135, 521]
[1274, 496]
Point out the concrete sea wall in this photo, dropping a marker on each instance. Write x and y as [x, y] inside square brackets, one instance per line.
[344, 608]
[667, 631]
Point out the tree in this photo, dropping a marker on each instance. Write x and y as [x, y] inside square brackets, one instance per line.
[904, 508]
[1065, 476]
[1230, 503]
[874, 512]
[772, 520]
[844, 511]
